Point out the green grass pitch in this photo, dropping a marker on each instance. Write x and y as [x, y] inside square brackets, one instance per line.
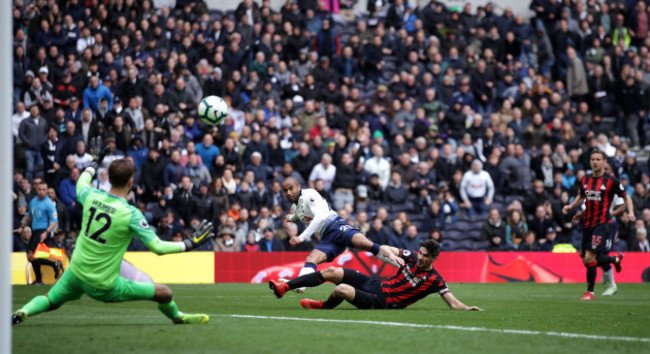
[521, 317]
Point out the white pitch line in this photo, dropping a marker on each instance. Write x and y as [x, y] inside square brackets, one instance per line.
[456, 328]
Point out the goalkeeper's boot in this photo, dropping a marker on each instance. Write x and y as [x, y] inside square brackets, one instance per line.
[587, 296]
[311, 304]
[279, 288]
[611, 290]
[299, 290]
[618, 266]
[18, 317]
[192, 318]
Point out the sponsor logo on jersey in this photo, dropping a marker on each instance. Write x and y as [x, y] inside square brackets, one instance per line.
[602, 188]
[412, 279]
[594, 195]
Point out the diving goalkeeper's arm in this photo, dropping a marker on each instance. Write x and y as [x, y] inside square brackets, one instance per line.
[202, 234]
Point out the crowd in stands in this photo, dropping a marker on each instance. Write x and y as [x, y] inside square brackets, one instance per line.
[414, 120]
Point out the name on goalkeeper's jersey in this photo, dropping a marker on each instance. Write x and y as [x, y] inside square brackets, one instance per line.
[103, 207]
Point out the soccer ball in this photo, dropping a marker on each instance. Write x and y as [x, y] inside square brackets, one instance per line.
[213, 110]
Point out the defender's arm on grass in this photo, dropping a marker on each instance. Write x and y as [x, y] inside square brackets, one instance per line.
[456, 304]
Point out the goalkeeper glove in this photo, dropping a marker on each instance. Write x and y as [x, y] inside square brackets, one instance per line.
[99, 152]
[201, 235]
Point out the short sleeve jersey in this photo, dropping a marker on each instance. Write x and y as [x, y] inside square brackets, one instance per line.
[42, 212]
[310, 204]
[599, 194]
[108, 226]
[411, 284]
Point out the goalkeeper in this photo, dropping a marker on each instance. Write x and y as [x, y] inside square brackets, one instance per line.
[109, 223]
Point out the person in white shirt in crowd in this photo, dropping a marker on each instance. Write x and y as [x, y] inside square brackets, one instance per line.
[135, 112]
[476, 189]
[82, 158]
[18, 116]
[378, 165]
[335, 234]
[325, 171]
[641, 243]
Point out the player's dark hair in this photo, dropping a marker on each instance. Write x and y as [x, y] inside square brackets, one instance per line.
[598, 151]
[120, 171]
[432, 246]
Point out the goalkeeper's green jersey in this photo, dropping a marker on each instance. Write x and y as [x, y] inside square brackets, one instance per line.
[108, 226]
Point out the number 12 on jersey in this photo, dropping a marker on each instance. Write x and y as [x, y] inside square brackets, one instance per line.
[97, 234]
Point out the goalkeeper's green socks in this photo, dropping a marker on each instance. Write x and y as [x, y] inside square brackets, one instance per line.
[170, 310]
[37, 305]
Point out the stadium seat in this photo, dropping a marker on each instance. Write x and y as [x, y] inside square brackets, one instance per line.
[454, 235]
[480, 245]
[510, 198]
[416, 217]
[462, 216]
[396, 208]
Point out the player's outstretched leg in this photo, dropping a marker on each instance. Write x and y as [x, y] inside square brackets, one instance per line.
[314, 258]
[166, 305]
[332, 274]
[361, 242]
[37, 305]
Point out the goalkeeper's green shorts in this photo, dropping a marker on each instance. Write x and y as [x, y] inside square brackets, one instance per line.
[70, 288]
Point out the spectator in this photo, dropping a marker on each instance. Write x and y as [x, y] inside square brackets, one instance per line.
[207, 150]
[476, 189]
[530, 243]
[640, 244]
[516, 228]
[225, 242]
[68, 194]
[260, 170]
[196, 171]
[33, 133]
[303, 163]
[546, 245]
[493, 226]
[251, 245]
[378, 165]
[516, 168]
[324, 171]
[36, 94]
[270, 243]
[173, 171]
[94, 93]
[203, 205]
[377, 232]
[396, 233]
[52, 155]
[82, 158]
[182, 201]
[395, 193]
[541, 222]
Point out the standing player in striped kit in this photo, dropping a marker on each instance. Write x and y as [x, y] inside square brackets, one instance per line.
[415, 279]
[597, 191]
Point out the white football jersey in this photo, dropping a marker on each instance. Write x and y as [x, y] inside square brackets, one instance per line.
[312, 209]
[616, 202]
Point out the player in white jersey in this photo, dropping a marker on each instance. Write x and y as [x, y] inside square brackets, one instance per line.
[335, 233]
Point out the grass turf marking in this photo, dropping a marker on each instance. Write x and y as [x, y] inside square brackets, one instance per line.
[456, 328]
